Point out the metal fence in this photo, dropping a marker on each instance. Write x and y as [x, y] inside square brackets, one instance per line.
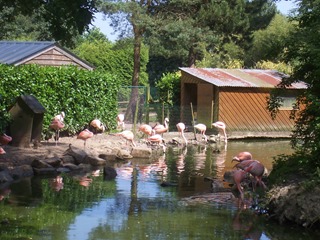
[151, 111]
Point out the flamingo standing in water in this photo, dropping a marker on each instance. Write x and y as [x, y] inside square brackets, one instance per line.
[238, 176]
[4, 140]
[221, 126]
[128, 135]
[57, 123]
[254, 167]
[85, 135]
[242, 156]
[120, 121]
[202, 129]
[160, 129]
[181, 127]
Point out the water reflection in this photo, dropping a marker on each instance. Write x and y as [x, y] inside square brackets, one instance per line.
[138, 205]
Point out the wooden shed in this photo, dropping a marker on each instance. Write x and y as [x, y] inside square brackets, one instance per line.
[45, 53]
[27, 118]
[238, 97]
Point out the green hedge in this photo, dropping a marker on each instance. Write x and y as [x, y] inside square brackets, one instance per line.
[83, 95]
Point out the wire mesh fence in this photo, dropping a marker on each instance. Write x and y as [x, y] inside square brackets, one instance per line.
[152, 111]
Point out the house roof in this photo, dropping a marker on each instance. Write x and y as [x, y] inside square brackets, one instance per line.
[241, 77]
[19, 52]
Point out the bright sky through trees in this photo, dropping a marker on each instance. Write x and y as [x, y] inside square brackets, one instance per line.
[103, 25]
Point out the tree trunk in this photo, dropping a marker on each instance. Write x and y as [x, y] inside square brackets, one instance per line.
[136, 74]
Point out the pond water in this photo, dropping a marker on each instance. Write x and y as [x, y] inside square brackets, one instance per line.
[137, 206]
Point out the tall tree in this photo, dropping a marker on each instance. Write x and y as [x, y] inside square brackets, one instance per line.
[270, 44]
[53, 19]
[303, 51]
[137, 14]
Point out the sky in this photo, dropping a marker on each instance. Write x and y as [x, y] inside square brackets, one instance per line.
[103, 25]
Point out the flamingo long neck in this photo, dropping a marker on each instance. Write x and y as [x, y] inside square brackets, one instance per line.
[184, 138]
[225, 135]
[165, 124]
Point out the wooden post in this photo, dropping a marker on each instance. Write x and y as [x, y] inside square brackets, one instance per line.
[211, 117]
[147, 103]
[194, 130]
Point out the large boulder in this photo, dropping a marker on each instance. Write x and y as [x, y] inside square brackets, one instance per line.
[141, 152]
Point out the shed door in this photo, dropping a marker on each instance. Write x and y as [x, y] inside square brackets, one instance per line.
[204, 106]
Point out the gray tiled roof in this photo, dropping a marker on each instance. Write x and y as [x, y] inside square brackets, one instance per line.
[12, 52]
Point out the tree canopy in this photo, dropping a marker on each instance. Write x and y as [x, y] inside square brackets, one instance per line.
[46, 20]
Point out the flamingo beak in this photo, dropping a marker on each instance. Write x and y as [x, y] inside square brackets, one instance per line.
[235, 159]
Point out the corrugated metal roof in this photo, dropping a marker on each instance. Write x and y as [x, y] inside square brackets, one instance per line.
[12, 52]
[240, 77]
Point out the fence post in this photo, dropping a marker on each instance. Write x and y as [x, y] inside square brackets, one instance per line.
[194, 130]
[147, 103]
[136, 115]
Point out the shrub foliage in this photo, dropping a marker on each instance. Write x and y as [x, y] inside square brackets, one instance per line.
[83, 95]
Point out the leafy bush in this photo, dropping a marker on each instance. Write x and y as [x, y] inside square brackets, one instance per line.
[83, 95]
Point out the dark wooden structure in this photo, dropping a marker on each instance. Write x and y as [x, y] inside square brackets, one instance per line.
[238, 97]
[27, 118]
[44, 53]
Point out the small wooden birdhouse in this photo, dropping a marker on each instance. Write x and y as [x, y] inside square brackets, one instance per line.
[27, 119]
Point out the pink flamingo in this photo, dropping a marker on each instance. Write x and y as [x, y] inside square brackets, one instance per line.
[256, 169]
[128, 135]
[242, 156]
[146, 129]
[97, 126]
[2, 151]
[238, 176]
[120, 121]
[157, 138]
[181, 127]
[85, 135]
[202, 129]
[221, 126]
[56, 125]
[5, 139]
[60, 116]
[160, 129]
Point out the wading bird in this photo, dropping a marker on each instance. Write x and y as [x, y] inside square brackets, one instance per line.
[85, 135]
[120, 121]
[256, 169]
[2, 151]
[96, 126]
[157, 138]
[128, 136]
[242, 156]
[202, 129]
[5, 139]
[221, 126]
[160, 129]
[238, 176]
[146, 129]
[57, 124]
[181, 128]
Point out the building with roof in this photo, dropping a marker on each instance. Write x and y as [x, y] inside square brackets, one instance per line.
[238, 97]
[45, 53]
